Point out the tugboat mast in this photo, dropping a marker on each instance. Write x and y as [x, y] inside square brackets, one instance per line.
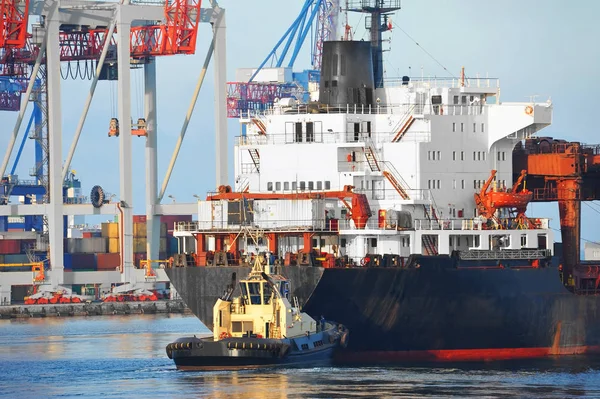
[376, 23]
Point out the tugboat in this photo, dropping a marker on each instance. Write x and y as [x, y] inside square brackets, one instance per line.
[260, 328]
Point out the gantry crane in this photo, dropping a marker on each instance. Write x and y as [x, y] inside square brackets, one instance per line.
[81, 30]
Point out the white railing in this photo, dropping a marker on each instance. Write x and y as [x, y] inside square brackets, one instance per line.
[329, 138]
[428, 83]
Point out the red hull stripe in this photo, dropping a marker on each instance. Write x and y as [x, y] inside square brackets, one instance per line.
[465, 355]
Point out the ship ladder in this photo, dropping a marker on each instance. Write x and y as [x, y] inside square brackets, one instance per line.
[404, 128]
[396, 184]
[260, 125]
[429, 243]
[255, 158]
[371, 159]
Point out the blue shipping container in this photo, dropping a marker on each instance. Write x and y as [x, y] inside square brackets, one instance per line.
[173, 247]
[68, 261]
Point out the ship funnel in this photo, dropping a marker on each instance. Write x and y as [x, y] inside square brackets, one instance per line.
[347, 74]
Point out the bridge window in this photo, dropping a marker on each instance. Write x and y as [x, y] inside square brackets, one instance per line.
[455, 101]
[319, 185]
[311, 185]
[298, 132]
[454, 126]
[254, 291]
[294, 186]
[267, 291]
[286, 185]
[278, 186]
[310, 132]
[270, 186]
[462, 127]
[244, 290]
[302, 185]
[327, 185]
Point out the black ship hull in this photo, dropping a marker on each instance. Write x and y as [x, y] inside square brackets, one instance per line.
[436, 312]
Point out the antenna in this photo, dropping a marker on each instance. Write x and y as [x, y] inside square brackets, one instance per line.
[376, 23]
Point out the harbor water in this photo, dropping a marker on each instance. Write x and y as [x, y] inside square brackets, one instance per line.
[124, 357]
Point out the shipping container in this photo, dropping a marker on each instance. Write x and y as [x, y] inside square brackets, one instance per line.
[10, 247]
[173, 246]
[110, 230]
[170, 220]
[86, 245]
[87, 234]
[139, 245]
[139, 218]
[113, 245]
[108, 261]
[137, 258]
[83, 261]
[139, 229]
[289, 213]
[68, 261]
[16, 258]
[26, 244]
[19, 292]
[211, 214]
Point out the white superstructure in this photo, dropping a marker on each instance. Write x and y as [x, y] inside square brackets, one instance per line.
[419, 155]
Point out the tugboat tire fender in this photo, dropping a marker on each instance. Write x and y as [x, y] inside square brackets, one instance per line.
[344, 339]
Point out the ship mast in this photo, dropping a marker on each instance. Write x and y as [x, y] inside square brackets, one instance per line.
[377, 23]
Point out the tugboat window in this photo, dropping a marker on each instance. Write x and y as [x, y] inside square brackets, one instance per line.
[267, 291]
[244, 292]
[254, 290]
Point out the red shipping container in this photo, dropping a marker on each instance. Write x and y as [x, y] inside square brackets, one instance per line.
[139, 218]
[108, 261]
[137, 258]
[10, 247]
[170, 220]
[87, 234]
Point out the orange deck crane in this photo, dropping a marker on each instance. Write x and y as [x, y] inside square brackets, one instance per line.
[359, 208]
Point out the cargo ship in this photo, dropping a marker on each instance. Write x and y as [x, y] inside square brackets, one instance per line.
[399, 209]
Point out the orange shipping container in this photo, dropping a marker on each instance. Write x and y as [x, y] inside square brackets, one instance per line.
[139, 218]
[108, 261]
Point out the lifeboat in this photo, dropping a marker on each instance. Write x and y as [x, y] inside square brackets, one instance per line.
[489, 201]
[499, 199]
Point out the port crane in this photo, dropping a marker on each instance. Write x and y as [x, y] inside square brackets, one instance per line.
[77, 31]
[567, 173]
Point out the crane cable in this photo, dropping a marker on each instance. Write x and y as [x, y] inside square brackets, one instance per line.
[394, 25]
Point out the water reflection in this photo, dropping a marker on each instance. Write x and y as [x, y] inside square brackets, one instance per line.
[124, 357]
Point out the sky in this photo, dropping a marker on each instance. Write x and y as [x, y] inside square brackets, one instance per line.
[543, 48]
